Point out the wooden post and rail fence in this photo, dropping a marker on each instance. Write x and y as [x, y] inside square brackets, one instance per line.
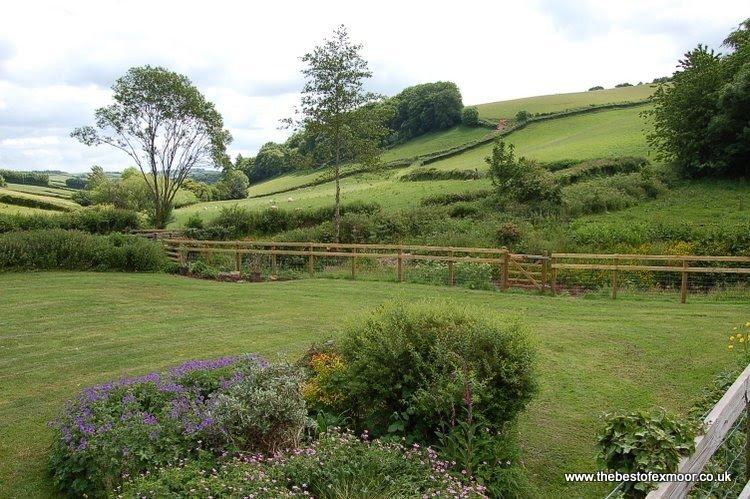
[540, 272]
[717, 424]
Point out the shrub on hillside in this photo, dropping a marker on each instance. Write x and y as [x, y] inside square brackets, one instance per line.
[415, 369]
[76, 183]
[518, 179]
[522, 116]
[337, 465]
[142, 423]
[610, 193]
[450, 198]
[470, 116]
[508, 233]
[422, 174]
[96, 220]
[597, 87]
[57, 249]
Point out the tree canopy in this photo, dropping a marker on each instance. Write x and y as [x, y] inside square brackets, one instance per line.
[161, 120]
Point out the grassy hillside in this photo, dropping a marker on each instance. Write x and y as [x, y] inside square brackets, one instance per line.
[38, 190]
[63, 331]
[560, 102]
[52, 200]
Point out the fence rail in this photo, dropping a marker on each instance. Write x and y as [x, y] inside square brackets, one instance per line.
[717, 424]
[541, 272]
[684, 265]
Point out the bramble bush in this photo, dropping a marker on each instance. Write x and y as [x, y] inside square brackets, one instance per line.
[336, 465]
[197, 409]
[58, 249]
[413, 369]
[643, 442]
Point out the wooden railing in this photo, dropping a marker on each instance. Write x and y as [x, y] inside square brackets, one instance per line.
[514, 269]
[684, 265]
[717, 424]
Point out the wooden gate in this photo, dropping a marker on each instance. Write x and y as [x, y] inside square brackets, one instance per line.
[527, 272]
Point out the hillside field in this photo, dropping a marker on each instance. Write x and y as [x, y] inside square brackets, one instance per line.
[63, 331]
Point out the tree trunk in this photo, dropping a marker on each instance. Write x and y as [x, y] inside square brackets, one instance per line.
[337, 208]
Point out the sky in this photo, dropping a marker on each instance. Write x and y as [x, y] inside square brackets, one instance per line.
[58, 59]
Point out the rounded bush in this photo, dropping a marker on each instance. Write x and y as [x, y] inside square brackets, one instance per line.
[418, 368]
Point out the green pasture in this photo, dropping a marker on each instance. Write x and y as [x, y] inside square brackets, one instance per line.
[61, 331]
[561, 102]
[39, 190]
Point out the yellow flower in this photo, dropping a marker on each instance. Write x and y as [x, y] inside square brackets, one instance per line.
[731, 338]
[731, 347]
[742, 340]
[747, 324]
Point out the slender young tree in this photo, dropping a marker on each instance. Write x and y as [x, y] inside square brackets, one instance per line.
[161, 120]
[347, 122]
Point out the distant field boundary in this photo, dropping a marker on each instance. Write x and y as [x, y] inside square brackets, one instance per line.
[526, 271]
[426, 159]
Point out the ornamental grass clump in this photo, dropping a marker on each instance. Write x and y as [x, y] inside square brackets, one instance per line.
[336, 465]
[199, 408]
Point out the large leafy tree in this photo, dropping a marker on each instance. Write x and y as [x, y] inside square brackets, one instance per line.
[344, 118]
[161, 120]
[701, 116]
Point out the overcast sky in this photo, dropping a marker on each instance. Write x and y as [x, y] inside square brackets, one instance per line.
[58, 60]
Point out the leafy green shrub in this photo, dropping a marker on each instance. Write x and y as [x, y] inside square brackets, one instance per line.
[508, 233]
[522, 116]
[194, 222]
[28, 178]
[422, 174]
[450, 198]
[560, 164]
[337, 465]
[96, 220]
[610, 193]
[597, 87]
[519, 179]
[464, 210]
[139, 424]
[414, 369]
[643, 442]
[75, 250]
[76, 182]
[470, 116]
[201, 269]
[466, 275]
[31, 202]
[491, 457]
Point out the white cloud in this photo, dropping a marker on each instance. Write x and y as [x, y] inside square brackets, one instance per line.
[58, 59]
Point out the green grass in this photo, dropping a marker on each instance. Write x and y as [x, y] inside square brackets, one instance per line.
[605, 133]
[560, 102]
[67, 203]
[698, 202]
[60, 332]
[41, 191]
[382, 188]
[22, 210]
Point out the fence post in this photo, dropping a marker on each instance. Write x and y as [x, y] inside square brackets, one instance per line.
[237, 259]
[506, 260]
[400, 264]
[545, 263]
[311, 262]
[183, 256]
[273, 261]
[354, 263]
[554, 275]
[684, 285]
[614, 278]
[451, 274]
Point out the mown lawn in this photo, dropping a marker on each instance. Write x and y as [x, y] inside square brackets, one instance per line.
[561, 102]
[63, 331]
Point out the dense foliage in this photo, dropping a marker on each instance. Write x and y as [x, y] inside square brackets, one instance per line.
[58, 249]
[28, 178]
[422, 174]
[470, 116]
[96, 220]
[272, 160]
[141, 423]
[426, 108]
[643, 442]
[334, 466]
[76, 183]
[702, 115]
[415, 369]
[519, 179]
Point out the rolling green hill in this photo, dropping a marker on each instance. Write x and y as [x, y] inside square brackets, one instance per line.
[560, 102]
